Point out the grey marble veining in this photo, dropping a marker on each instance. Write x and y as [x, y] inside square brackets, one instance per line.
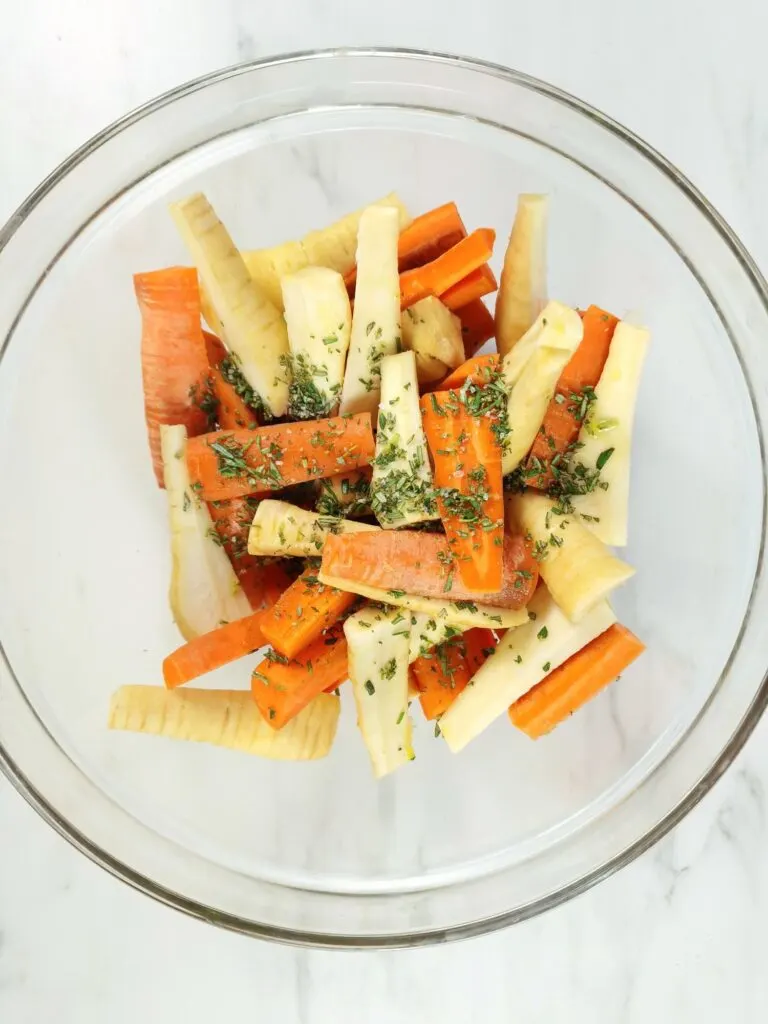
[679, 935]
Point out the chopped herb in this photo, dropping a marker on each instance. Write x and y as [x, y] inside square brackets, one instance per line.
[276, 657]
[603, 457]
[400, 717]
[546, 666]
[306, 400]
[369, 687]
[388, 670]
[543, 633]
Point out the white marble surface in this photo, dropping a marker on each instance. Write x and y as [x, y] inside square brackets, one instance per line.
[678, 936]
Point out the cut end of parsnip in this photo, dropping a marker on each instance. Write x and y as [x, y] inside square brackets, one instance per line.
[523, 288]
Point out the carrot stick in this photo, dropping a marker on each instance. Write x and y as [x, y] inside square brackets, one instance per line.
[282, 687]
[230, 463]
[477, 369]
[174, 366]
[576, 681]
[477, 326]
[472, 287]
[414, 562]
[231, 409]
[437, 277]
[446, 671]
[212, 650]
[304, 611]
[466, 454]
[570, 402]
[425, 238]
[429, 236]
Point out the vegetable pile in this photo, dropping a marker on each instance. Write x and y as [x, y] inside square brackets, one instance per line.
[358, 500]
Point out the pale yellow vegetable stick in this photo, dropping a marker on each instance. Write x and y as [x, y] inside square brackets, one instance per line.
[531, 371]
[333, 247]
[456, 613]
[606, 436]
[402, 491]
[376, 318]
[319, 320]
[378, 644]
[225, 718]
[204, 590]
[578, 569]
[252, 327]
[279, 528]
[523, 287]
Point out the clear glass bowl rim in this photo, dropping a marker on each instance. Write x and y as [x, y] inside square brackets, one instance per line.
[162, 894]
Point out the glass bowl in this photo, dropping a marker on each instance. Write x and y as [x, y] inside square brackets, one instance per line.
[455, 845]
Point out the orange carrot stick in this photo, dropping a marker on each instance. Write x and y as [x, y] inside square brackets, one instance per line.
[304, 611]
[282, 687]
[429, 236]
[477, 326]
[231, 409]
[446, 671]
[472, 287]
[413, 562]
[570, 403]
[174, 366]
[230, 463]
[437, 277]
[466, 454]
[479, 369]
[576, 681]
[212, 650]
[425, 238]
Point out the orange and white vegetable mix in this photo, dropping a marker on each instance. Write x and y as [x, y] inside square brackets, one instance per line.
[356, 494]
